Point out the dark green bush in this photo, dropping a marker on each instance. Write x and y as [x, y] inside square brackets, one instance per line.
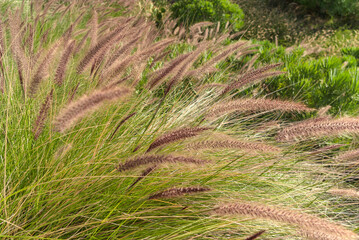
[318, 82]
[340, 8]
[192, 11]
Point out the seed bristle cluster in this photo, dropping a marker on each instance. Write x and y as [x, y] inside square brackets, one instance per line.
[253, 77]
[40, 120]
[349, 193]
[256, 235]
[348, 155]
[144, 173]
[320, 128]
[249, 146]
[256, 105]
[176, 135]
[61, 69]
[179, 191]
[78, 109]
[300, 219]
[43, 69]
[157, 159]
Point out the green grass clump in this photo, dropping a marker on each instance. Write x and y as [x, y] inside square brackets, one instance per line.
[190, 12]
[313, 78]
[124, 144]
[347, 9]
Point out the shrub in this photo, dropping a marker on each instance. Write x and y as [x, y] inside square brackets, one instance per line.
[193, 11]
[339, 8]
[318, 82]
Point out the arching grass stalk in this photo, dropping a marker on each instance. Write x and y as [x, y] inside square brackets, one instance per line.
[149, 123]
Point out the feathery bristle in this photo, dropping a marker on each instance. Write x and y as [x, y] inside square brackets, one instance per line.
[349, 193]
[143, 175]
[98, 47]
[73, 92]
[320, 128]
[122, 122]
[159, 57]
[2, 42]
[348, 155]
[42, 70]
[179, 191]
[123, 51]
[120, 65]
[196, 26]
[326, 149]
[251, 146]
[176, 135]
[210, 85]
[19, 54]
[227, 51]
[256, 105]
[259, 71]
[60, 72]
[40, 120]
[161, 74]
[157, 159]
[303, 220]
[256, 235]
[248, 66]
[252, 76]
[186, 65]
[78, 109]
[322, 112]
[94, 28]
[313, 234]
[250, 80]
[81, 43]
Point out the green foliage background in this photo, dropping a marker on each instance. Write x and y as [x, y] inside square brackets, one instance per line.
[192, 11]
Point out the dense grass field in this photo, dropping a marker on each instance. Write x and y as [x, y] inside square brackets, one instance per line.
[115, 127]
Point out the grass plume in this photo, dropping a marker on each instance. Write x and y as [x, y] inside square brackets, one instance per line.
[43, 69]
[179, 191]
[256, 235]
[233, 144]
[144, 173]
[61, 68]
[79, 108]
[40, 120]
[321, 128]
[176, 136]
[157, 159]
[348, 193]
[303, 220]
[256, 105]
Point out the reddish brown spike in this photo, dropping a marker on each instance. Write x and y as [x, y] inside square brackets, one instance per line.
[320, 128]
[256, 235]
[143, 175]
[42, 70]
[40, 120]
[61, 69]
[179, 191]
[122, 122]
[250, 80]
[78, 109]
[97, 48]
[176, 135]
[157, 159]
[256, 105]
[234, 144]
[297, 218]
